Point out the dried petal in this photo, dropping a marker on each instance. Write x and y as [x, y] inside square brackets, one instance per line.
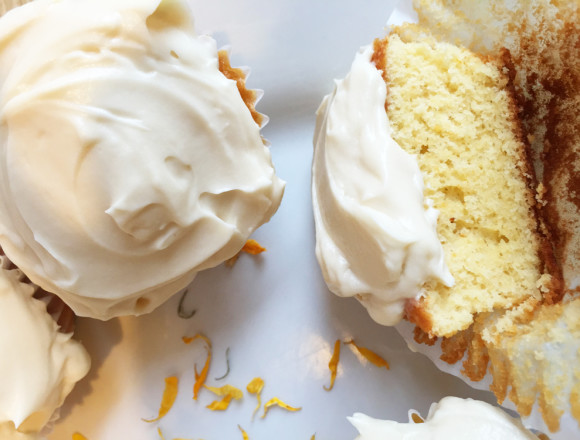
[274, 401]
[417, 418]
[244, 433]
[313, 437]
[333, 364]
[221, 405]
[200, 377]
[255, 387]
[236, 393]
[78, 436]
[168, 399]
[252, 247]
[370, 355]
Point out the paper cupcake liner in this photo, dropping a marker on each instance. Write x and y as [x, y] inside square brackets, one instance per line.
[55, 307]
[534, 362]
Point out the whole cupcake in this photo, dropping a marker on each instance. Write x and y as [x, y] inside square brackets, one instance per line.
[131, 152]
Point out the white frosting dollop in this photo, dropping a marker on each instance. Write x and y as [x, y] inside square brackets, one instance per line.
[39, 365]
[129, 162]
[450, 419]
[376, 236]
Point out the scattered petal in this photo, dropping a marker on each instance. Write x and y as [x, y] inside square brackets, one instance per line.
[227, 365]
[370, 355]
[169, 395]
[255, 387]
[274, 401]
[417, 418]
[225, 390]
[252, 247]
[244, 433]
[333, 364]
[313, 437]
[182, 313]
[221, 405]
[200, 377]
[78, 436]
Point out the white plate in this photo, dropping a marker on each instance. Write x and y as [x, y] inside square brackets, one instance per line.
[273, 311]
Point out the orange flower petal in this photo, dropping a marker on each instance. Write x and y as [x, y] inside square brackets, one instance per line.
[255, 387]
[200, 377]
[244, 433]
[252, 247]
[333, 364]
[78, 436]
[168, 399]
[274, 401]
[369, 355]
[221, 405]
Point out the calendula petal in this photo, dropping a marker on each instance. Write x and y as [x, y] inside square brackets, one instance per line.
[255, 387]
[253, 247]
[417, 418]
[274, 401]
[244, 433]
[169, 396]
[333, 364]
[221, 405]
[200, 377]
[225, 390]
[78, 436]
[369, 355]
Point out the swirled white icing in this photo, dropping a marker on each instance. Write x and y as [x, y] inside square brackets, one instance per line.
[450, 419]
[129, 162]
[376, 236]
[39, 365]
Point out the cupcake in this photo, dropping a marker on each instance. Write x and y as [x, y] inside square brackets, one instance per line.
[40, 362]
[429, 205]
[451, 418]
[131, 152]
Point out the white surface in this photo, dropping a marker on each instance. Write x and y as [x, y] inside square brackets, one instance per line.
[274, 311]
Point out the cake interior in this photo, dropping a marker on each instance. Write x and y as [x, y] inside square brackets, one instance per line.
[453, 111]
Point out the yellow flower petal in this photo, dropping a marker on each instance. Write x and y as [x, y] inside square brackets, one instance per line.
[236, 393]
[369, 355]
[333, 364]
[274, 401]
[168, 399]
[244, 433]
[255, 387]
[78, 436]
[221, 405]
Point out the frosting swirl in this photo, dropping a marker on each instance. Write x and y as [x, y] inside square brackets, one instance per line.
[376, 236]
[39, 365]
[129, 161]
[451, 418]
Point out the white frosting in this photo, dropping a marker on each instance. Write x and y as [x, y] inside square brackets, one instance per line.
[450, 419]
[39, 365]
[376, 236]
[128, 161]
